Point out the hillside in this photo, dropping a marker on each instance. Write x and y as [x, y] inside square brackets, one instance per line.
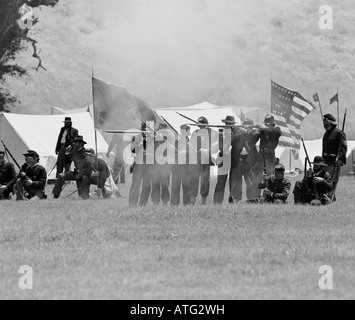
[179, 52]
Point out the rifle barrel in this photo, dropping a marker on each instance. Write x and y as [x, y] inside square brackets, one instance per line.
[6, 148]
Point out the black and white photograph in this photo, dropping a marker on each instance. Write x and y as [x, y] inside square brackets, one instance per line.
[177, 155]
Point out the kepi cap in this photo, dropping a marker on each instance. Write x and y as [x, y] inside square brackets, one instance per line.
[248, 122]
[329, 117]
[31, 153]
[67, 119]
[90, 152]
[185, 127]
[280, 167]
[270, 119]
[202, 120]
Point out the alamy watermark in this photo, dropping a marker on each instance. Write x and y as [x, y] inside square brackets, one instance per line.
[27, 19]
[326, 281]
[326, 20]
[26, 281]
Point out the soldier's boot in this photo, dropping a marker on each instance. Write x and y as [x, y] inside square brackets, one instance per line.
[193, 200]
[204, 201]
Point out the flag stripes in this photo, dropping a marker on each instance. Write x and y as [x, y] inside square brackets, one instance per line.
[289, 109]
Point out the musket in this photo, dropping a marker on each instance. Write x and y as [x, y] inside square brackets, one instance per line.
[336, 169]
[179, 135]
[155, 132]
[124, 131]
[224, 126]
[7, 150]
[192, 120]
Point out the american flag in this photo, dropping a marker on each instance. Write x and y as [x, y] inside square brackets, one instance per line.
[289, 109]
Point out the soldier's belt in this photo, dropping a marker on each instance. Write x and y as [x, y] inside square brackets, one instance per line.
[329, 155]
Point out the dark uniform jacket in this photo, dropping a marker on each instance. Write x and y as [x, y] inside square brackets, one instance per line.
[244, 138]
[80, 162]
[280, 188]
[101, 167]
[332, 139]
[8, 175]
[322, 188]
[72, 133]
[37, 174]
[269, 140]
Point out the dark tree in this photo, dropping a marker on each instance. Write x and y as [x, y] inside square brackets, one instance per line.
[15, 23]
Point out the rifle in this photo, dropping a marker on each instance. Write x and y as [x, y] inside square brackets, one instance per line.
[192, 120]
[156, 133]
[181, 137]
[315, 191]
[336, 169]
[8, 151]
[224, 126]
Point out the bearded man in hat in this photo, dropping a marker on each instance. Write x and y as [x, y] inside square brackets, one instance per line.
[75, 152]
[32, 178]
[65, 138]
[180, 170]
[335, 147]
[7, 177]
[316, 186]
[269, 140]
[276, 188]
[205, 141]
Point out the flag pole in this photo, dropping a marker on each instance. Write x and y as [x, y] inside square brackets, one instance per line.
[320, 106]
[338, 107]
[93, 108]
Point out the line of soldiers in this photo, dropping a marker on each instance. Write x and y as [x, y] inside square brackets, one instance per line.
[264, 177]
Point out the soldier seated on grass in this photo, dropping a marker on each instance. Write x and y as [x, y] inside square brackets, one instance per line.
[32, 179]
[276, 188]
[316, 187]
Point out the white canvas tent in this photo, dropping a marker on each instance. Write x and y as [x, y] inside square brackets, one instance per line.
[213, 113]
[40, 133]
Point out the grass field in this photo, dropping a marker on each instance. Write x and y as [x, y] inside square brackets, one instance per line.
[104, 250]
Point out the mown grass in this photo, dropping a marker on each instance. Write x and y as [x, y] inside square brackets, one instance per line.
[104, 250]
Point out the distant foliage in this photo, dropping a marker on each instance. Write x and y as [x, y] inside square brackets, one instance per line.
[12, 38]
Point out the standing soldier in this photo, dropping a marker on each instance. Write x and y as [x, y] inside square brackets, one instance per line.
[7, 177]
[316, 186]
[247, 159]
[118, 168]
[65, 138]
[200, 171]
[160, 174]
[269, 140]
[335, 147]
[180, 170]
[224, 160]
[141, 177]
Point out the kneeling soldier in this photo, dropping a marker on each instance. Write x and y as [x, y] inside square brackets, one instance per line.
[316, 187]
[32, 178]
[97, 174]
[276, 188]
